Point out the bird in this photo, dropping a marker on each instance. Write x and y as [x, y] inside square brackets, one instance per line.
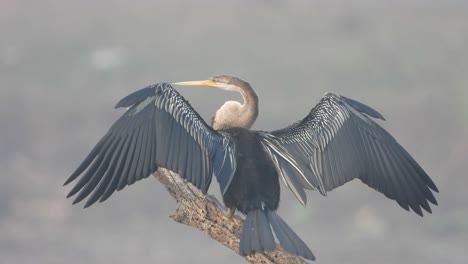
[336, 142]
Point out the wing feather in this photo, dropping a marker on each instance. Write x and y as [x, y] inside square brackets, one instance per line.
[159, 129]
[100, 189]
[112, 187]
[341, 142]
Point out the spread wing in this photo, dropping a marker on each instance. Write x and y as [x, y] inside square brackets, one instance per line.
[159, 129]
[338, 142]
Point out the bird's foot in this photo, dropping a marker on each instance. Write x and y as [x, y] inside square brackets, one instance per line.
[227, 212]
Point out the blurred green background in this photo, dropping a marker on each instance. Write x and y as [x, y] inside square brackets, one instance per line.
[64, 65]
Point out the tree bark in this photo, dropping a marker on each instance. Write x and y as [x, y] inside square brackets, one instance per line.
[197, 210]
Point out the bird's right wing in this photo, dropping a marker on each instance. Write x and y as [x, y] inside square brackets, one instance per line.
[338, 142]
[160, 128]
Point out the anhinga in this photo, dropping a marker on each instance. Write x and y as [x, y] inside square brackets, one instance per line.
[335, 143]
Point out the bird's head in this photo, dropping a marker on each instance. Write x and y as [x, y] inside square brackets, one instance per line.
[224, 82]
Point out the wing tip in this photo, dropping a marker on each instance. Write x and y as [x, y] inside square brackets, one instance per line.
[74, 190]
[67, 181]
[72, 177]
[76, 201]
[89, 203]
[363, 108]
[420, 208]
[70, 194]
[432, 185]
[137, 96]
[427, 210]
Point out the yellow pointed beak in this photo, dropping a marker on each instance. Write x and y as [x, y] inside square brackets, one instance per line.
[209, 83]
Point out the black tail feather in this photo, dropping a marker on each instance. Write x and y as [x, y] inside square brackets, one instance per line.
[289, 240]
[257, 235]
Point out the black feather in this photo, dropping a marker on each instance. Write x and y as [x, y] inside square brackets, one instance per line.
[149, 134]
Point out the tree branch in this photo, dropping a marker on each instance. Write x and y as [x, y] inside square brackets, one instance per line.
[195, 209]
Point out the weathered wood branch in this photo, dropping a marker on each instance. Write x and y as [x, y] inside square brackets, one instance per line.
[195, 209]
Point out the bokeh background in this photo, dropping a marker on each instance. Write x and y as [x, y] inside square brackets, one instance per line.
[64, 65]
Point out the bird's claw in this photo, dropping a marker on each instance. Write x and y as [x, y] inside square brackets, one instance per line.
[227, 212]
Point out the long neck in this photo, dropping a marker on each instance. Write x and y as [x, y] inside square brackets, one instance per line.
[250, 106]
[234, 114]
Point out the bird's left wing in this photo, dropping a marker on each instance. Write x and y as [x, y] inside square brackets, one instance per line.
[337, 142]
[160, 128]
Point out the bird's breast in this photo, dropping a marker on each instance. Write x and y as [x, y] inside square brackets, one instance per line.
[255, 183]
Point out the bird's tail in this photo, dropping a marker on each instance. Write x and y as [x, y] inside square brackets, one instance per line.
[257, 235]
